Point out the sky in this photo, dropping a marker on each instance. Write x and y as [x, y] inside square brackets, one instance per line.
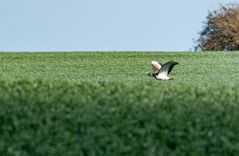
[102, 25]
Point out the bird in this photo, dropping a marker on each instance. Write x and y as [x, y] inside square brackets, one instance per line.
[161, 71]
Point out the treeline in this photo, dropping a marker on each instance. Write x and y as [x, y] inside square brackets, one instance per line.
[221, 30]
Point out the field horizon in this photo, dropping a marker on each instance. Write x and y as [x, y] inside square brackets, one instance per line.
[194, 68]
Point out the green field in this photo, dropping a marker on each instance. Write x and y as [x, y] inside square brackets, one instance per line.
[194, 68]
[95, 103]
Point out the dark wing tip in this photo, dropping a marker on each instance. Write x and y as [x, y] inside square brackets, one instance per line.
[172, 61]
[168, 67]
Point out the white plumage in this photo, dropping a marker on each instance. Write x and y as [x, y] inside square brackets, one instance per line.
[161, 71]
[162, 76]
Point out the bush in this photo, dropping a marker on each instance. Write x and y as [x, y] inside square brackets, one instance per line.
[221, 30]
[109, 118]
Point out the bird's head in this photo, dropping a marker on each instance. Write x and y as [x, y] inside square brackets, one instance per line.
[155, 66]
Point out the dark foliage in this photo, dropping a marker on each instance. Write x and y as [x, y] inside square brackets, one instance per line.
[221, 30]
[43, 118]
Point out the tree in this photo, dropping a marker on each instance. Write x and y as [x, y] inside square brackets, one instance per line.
[221, 30]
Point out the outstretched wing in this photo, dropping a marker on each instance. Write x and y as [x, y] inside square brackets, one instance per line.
[167, 67]
[156, 66]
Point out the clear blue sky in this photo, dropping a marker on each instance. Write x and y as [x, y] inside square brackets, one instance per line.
[102, 25]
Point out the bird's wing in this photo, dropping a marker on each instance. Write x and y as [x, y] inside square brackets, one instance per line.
[167, 67]
[156, 66]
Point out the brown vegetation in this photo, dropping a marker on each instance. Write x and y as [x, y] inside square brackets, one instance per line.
[221, 30]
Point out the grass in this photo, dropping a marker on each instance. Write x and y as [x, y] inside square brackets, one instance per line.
[103, 104]
[194, 68]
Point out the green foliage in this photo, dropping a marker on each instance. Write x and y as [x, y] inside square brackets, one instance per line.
[55, 105]
[64, 118]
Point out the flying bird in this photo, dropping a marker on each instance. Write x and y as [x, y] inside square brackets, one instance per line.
[161, 71]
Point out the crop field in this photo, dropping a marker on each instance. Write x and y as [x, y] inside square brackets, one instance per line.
[102, 103]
